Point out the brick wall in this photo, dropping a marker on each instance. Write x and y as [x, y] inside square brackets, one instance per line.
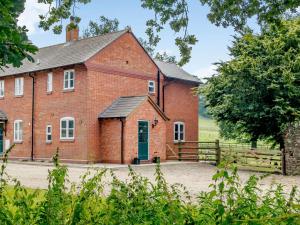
[121, 69]
[18, 108]
[292, 151]
[110, 136]
[181, 104]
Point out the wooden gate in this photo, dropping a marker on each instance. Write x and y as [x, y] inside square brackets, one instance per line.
[263, 160]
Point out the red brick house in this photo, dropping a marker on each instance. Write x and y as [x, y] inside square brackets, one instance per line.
[99, 99]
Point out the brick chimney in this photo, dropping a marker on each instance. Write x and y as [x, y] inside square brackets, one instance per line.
[72, 31]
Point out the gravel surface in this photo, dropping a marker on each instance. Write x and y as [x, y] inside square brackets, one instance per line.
[195, 176]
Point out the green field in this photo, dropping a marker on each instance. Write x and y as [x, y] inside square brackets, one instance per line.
[208, 130]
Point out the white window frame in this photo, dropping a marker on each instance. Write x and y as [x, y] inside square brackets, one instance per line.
[19, 86]
[178, 123]
[48, 133]
[151, 84]
[18, 131]
[49, 82]
[67, 77]
[2, 88]
[67, 119]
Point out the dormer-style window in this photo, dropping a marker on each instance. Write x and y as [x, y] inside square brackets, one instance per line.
[1, 88]
[69, 79]
[19, 86]
[151, 86]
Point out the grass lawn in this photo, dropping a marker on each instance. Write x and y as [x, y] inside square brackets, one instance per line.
[208, 130]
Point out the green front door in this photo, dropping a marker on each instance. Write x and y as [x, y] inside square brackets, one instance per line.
[143, 137]
[1, 140]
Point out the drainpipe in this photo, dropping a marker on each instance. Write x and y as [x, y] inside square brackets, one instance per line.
[32, 117]
[158, 88]
[122, 140]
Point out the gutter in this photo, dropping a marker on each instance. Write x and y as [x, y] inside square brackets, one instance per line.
[32, 117]
[158, 88]
[122, 140]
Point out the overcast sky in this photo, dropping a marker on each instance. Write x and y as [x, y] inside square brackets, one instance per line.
[211, 47]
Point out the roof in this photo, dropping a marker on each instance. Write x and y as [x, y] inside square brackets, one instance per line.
[64, 54]
[171, 70]
[3, 116]
[124, 106]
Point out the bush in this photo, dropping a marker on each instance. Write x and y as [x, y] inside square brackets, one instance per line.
[139, 201]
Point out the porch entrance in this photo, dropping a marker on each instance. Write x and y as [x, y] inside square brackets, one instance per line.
[143, 140]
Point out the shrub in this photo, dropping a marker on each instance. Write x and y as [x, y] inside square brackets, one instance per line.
[139, 201]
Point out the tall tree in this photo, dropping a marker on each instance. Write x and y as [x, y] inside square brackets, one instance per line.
[14, 44]
[105, 26]
[257, 93]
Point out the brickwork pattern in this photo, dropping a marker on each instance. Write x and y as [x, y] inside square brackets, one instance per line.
[292, 151]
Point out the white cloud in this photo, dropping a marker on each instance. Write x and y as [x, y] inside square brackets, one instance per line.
[206, 71]
[30, 16]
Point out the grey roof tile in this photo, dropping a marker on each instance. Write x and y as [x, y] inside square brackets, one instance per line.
[171, 70]
[68, 53]
[122, 107]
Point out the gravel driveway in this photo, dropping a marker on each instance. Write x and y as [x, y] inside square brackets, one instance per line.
[195, 176]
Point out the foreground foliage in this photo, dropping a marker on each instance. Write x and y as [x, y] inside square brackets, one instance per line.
[139, 201]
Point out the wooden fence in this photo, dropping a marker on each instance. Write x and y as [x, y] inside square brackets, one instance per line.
[260, 159]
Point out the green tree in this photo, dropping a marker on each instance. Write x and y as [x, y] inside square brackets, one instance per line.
[14, 44]
[257, 93]
[105, 26]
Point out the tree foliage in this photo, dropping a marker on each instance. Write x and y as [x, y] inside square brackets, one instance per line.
[14, 44]
[105, 26]
[257, 92]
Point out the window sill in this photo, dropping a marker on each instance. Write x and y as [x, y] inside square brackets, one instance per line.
[49, 92]
[67, 140]
[18, 142]
[151, 93]
[178, 142]
[48, 142]
[68, 90]
[19, 96]
[1, 98]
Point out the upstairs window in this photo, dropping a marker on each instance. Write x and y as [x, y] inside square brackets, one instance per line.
[69, 79]
[67, 128]
[49, 82]
[179, 131]
[1, 88]
[18, 131]
[19, 86]
[151, 86]
[49, 134]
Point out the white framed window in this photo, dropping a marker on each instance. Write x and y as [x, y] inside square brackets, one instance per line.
[1, 88]
[179, 131]
[18, 131]
[151, 86]
[48, 133]
[19, 86]
[69, 79]
[49, 82]
[67, 128]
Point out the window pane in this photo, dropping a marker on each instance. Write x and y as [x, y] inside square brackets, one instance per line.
[176, 136]
[49, 137]
[71, 133]
[181, 136]
[181, 127]
[176, 127]
[71, 75]
[71, 83]
[71, 124]
[63, 133]
[63, 124]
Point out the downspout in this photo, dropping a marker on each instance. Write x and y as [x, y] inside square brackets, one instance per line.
[163, 98]
[122, 140]
[158, 88]
[32, 117]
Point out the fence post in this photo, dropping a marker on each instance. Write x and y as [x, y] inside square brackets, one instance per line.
[179, 150]
[218, 153]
